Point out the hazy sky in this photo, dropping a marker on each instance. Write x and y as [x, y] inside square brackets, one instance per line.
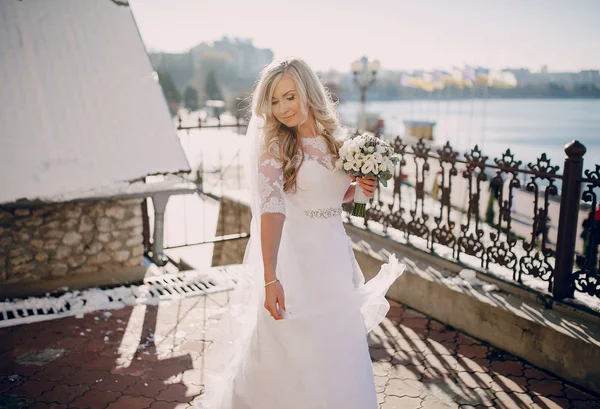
[428, 34]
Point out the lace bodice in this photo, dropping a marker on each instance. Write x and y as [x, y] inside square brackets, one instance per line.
[271, 172]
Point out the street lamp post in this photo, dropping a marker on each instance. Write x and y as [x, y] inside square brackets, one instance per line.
[364, 76]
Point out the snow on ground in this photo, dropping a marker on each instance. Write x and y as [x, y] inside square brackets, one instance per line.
[468, 278]
[75, 303]
[78, 303]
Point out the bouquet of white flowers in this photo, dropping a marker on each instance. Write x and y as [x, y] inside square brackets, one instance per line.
[363, 156]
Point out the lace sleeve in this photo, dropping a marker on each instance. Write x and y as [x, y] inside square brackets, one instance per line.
[270, 179]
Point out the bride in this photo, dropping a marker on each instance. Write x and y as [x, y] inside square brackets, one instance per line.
[294, 334]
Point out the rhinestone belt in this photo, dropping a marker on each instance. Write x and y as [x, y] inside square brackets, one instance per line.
[323, 213]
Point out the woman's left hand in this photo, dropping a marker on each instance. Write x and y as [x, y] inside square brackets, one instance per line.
[368, 185]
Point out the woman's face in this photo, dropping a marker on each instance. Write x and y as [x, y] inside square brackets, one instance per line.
[285, 103]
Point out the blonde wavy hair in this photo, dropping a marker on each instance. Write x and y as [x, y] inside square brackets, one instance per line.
[283, 142]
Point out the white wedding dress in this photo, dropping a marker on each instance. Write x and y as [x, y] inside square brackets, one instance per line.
[317, 357]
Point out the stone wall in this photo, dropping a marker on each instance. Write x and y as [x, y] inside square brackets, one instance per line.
[66, 242]
[233, 215]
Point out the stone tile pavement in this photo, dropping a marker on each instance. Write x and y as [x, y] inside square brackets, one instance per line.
[151, 357]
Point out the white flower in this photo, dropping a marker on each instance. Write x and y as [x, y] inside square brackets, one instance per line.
[381, 148]
[366, 168]
[390, 164]
[349, 157]
[383, 167]
[377, 157]
[348, 166]
[371, 149]
[344, 150]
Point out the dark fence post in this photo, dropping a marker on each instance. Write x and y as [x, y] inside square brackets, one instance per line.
[145, 225]
[567, 221]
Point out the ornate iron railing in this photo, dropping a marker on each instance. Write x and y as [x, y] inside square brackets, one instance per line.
[472, 211]
[484, 228]
[586, 278]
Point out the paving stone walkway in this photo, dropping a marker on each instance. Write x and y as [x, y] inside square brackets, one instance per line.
[152, 357]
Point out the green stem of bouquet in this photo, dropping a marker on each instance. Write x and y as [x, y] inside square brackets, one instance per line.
[359, 209]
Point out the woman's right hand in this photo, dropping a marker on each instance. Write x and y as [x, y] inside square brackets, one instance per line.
[275, 300]
[368, 185]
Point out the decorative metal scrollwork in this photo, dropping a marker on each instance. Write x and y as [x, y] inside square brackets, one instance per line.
[503, 240]
[470, 240]
[443, 232]
[536, 262]
[417, 225]
[587, 278]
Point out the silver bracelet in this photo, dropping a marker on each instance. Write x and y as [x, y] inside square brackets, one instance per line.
[272, 282]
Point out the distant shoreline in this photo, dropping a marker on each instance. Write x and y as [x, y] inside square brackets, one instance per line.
[370, 98]
[392, 92]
